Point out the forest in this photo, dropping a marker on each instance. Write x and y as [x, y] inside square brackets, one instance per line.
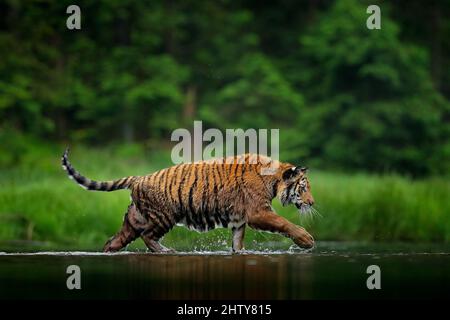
[368, 111]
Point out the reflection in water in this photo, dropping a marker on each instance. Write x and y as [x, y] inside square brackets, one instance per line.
[220, 277]
[253, 275]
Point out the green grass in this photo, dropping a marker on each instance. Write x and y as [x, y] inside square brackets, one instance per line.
[39, 206]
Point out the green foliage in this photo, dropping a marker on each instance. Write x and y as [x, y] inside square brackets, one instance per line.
[259, 97]
[344, 97]
[373, 105]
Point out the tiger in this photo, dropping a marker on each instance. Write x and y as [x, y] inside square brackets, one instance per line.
[231, 193]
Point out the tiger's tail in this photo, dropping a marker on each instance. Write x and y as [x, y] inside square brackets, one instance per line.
[89, 184]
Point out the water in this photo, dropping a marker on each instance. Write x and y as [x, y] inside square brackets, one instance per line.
[331, 271]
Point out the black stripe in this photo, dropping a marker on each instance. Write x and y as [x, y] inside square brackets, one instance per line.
[228, 170]
[167, 191]
[70, 170]
[142, 201]
[158, 176]
[191, 199]
[141, 190]
[201, 226]
[180, 190]
[204, 205]
[165, 177]
[219, 171]
[198, 215]
[193, 211]
[209, 220]
[274, 188]
[121, 183]
[235, 170]
[155, 219]
[224, 218]
[288, 190]
[166, 221]
[188, 209]
[157, 227]
[211, 217]
[217, 218]
[204, 202]
[161, 178]
[172, 186]
[81, 180]
[207, 213]
[216, 191]
[148, 232]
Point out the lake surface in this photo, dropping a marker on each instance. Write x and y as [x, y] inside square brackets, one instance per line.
[330, 271]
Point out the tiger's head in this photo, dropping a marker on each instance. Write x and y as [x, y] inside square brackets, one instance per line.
[297, 189]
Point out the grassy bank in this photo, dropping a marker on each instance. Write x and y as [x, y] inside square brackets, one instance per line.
[39, 205]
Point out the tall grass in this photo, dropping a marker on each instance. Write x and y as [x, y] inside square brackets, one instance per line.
[39, 205]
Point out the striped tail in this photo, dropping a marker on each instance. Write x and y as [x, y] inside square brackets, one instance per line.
[88, 184]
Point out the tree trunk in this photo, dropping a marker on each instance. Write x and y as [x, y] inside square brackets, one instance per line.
[189, 108]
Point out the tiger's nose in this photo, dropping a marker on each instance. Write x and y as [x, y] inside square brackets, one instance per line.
[310, 202]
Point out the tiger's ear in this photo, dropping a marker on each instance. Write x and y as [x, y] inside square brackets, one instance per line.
[293, 172]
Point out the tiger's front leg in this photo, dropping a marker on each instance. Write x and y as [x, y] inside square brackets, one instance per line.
[238, 237]
[269, 221]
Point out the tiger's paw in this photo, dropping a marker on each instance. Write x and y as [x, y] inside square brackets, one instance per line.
[303, 239]
[111, 245]
[238, 251]
[168, 250]
[161, 249]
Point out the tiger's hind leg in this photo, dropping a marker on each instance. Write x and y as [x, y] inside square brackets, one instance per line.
[127, 233]
[158, 226]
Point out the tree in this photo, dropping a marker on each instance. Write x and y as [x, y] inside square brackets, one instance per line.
[372, 104]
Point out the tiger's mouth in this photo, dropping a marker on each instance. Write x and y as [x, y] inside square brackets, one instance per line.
[303, 208]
